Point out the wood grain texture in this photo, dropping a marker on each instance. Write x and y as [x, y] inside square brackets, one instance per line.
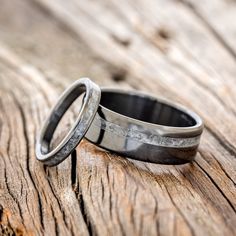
[179, 49]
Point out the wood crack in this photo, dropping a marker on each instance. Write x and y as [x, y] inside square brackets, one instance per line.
[1, 213]
[78, 192]
[55, 221]
[220, 165]
[84, 212]
[58, 203]
[227, 146]
[73, 168]
[180, 212]
[27, 144]
[216, 185]
[14, 198]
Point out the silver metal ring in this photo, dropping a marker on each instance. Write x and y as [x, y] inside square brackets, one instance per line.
[146, 128]
[68, 144]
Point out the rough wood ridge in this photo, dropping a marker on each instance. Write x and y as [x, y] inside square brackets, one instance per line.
[180, 49]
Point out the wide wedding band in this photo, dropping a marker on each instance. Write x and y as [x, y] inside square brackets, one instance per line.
[145, 128]
[85, 117]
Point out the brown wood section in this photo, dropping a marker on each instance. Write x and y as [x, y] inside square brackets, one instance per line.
[183, 50]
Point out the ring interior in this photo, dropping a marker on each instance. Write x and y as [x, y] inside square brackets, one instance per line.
[146, 109]
[57, 115]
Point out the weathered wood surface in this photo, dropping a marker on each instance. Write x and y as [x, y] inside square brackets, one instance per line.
[183, 50]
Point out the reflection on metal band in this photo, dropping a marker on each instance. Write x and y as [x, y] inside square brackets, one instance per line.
[133, 132]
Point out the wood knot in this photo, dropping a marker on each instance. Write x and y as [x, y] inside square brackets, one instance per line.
[162, 37]
[119, 75]
[124, 41]
[163, 33]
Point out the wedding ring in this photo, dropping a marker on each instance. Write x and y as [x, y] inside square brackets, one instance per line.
[145, 128]
[85, 117]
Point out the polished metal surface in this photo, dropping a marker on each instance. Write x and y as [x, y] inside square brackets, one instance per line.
[85, 117]
[145, 128]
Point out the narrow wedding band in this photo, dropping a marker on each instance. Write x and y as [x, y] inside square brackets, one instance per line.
[85, 117]
[145, 128]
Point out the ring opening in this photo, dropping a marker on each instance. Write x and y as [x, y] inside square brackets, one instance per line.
[146, 109]
[62, 114]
